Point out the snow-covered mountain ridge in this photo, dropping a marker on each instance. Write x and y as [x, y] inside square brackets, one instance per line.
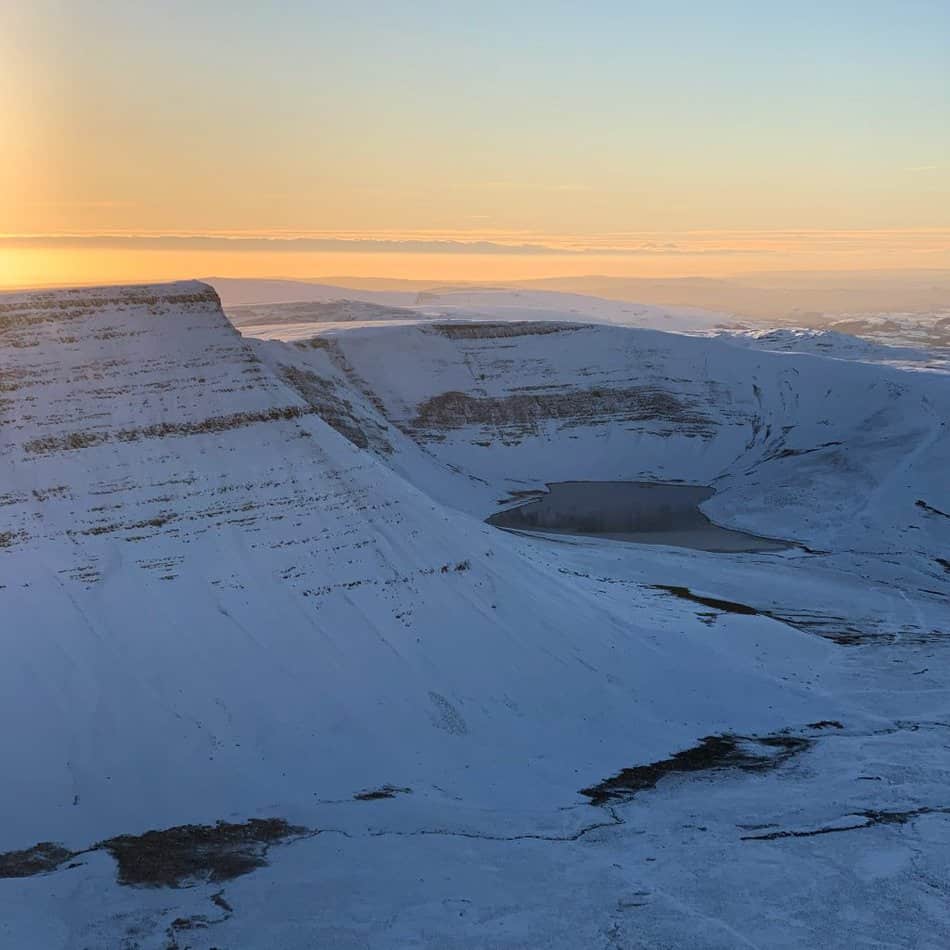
[153, 461]
[245, 579]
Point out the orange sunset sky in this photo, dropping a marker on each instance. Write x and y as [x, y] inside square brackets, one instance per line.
[477, 143]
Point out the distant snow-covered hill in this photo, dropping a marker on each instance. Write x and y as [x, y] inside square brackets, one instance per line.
[551, 305]
[260, 307]
[836, 345]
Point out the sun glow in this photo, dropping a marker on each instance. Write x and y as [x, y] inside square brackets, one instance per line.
[485, 256]
[276, 131]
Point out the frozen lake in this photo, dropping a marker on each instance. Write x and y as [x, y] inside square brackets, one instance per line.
[640, 512]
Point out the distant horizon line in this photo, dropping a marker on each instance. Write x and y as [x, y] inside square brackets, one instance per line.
[336, 280]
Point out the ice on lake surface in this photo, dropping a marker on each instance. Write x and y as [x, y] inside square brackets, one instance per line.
[640, 512]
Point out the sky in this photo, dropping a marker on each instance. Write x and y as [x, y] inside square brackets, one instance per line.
[478, 141]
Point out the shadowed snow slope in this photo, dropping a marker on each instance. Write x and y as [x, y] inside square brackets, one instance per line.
[251, 579]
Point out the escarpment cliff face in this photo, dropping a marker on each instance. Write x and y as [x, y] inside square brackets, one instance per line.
[830, 452]
[105, 391]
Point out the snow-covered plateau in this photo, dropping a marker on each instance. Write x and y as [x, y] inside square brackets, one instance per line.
[269, 680]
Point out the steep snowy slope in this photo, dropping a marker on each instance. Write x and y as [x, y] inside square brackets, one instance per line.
[250, 580]
[217, 584]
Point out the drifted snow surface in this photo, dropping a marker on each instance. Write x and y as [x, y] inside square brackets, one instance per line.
[251, 579]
